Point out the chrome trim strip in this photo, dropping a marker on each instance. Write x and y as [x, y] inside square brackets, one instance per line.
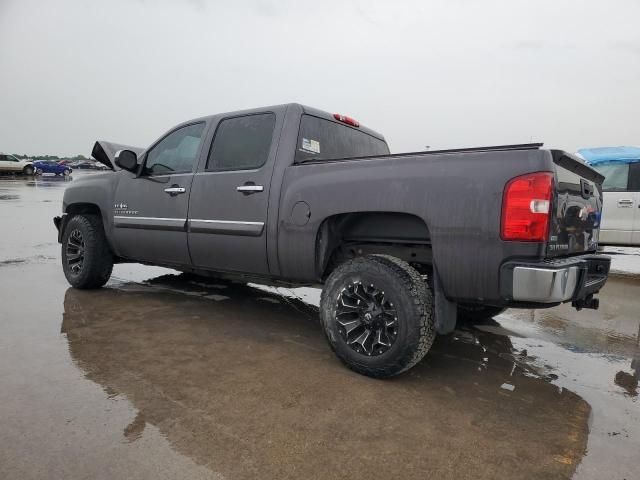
[149, 223]
[226, 227]
[544, 285]
[226, 222]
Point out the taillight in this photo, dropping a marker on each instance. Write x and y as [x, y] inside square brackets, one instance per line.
[525, 207]
[347, 120]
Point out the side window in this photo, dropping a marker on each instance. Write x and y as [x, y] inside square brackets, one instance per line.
[242, 143]
[176, 152]
[634, 177]
[616, 177]
[3, 158]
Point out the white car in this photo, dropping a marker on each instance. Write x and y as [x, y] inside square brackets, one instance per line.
[620, 224]
[11, 164]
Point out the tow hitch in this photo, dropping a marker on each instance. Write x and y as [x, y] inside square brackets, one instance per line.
[586, 302]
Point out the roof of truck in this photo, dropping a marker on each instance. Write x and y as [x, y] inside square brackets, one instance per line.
[302, 108]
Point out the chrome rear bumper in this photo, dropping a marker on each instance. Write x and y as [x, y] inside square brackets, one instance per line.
[544, 285]
[555, 281]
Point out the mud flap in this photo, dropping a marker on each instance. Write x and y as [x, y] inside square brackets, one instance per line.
[60, 223]
[446, 311]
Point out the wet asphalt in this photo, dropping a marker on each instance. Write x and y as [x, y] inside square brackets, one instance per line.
[165, 375]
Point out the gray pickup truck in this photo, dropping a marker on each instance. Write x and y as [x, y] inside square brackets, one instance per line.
[402, 244]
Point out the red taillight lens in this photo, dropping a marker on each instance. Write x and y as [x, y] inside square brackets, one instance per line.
[525, 207]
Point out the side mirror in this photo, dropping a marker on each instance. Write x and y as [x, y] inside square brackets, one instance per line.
[127, 160]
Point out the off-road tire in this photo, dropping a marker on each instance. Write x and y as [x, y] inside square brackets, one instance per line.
[98, 258]
[476, 314]
[28, 170]
[413, 301]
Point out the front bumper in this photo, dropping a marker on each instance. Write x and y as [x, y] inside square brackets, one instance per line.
[574, 279]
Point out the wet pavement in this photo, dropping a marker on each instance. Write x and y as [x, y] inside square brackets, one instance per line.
[164, 375]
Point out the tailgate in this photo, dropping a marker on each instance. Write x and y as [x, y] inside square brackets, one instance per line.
[577, 206]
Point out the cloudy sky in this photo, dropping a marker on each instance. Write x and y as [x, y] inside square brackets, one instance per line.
[445, 73]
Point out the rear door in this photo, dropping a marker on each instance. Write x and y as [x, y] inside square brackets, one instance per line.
[150, 210]
[229, 197]
[620, 205]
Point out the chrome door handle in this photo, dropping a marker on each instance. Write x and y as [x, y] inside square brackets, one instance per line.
[625, 202]
[250, 188]
[175, 190]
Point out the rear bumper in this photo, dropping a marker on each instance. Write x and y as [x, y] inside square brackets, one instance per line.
[556, 281]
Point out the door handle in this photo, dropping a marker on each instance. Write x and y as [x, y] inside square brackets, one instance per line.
[625, 202]
[247, 189]
[174, 190]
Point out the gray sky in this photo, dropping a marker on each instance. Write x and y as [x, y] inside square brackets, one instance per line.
[447, 73]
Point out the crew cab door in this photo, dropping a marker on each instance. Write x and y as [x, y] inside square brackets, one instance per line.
[229, 196]
[150, 210]
[619, 205]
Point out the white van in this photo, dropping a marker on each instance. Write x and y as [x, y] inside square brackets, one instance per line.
[620, 224]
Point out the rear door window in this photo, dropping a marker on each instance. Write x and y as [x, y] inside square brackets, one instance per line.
[321, 139]
[616, 177]
[242, 143]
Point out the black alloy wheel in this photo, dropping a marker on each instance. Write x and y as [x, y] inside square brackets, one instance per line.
[366, 319]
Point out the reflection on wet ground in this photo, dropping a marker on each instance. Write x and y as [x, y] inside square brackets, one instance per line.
[241, 381]
[163, 375]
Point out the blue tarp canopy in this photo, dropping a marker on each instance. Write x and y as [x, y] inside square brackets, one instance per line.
[604, 155]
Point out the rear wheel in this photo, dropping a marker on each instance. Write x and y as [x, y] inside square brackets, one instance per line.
[28, 170]
[87, 260]
[377, 314]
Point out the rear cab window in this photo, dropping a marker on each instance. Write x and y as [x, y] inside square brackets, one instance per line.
[321, 139]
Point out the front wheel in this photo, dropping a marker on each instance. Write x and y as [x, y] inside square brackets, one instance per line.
[28, 170]
[87, 260]
[377, 314]
[66, 172]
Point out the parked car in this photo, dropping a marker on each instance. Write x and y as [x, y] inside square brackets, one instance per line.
[621, 207]
[11, 164]
[291, 195]
[49, 166]
[84, 165]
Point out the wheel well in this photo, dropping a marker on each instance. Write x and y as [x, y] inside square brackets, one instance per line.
[77, 208]
[349, 235]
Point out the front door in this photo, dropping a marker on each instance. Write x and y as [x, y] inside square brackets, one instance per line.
[150, 210]
[229, 198]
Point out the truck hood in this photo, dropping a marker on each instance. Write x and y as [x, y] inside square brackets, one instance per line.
[105, 152]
